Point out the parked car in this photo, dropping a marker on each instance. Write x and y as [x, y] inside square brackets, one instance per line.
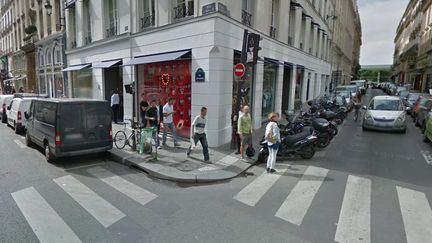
[385, 113]
[15, 113]
[361, 85]
[428, 130]
[348, 98]
[68, 127]
[416, 107]
[424, 108]
[4, 103]
[403, 94]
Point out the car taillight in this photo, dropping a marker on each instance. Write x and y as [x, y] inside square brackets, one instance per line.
[19, 116]
[110, 134]
[57, 138]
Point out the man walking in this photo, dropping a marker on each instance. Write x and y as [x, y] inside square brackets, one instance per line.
[245, 131]
[152, 117]
[168, 112]
[198, 134]
[143, 109]
[115, 104]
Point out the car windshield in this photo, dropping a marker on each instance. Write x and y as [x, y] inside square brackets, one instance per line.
[345, 94]
[413, 97]
[403, 93]
[386, 105]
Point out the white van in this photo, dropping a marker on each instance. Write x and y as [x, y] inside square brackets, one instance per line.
[15, 113]
[4, 103]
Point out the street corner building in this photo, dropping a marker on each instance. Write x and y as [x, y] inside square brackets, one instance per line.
[412, 63]
[186, 49]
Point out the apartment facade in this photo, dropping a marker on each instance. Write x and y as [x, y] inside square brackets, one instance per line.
[347, 41]
[32, 49]
[411, 40]
[160, 46]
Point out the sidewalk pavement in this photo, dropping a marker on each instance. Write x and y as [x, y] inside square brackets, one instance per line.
[173, 164]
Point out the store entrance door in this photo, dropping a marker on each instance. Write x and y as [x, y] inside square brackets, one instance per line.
[286, 88]
[113, 80]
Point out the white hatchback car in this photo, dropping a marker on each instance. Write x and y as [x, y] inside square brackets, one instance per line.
[385, 113]
[15, 113]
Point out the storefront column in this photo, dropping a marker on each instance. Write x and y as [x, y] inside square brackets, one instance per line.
[279, 89]
[293, 88]
[317, 86]
[319, 43]
[258, 95]
[315, 40]
[79, 23]
[304, 86]
[307, 34]
[297, 24]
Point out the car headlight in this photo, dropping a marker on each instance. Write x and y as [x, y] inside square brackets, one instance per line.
[368, 116]
[401, 118]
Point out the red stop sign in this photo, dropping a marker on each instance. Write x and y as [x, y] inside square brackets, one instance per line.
[239, 70]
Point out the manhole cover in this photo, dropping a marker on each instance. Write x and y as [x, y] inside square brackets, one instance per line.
[187, 165]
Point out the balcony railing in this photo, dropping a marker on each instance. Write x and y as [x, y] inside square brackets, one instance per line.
[111, 31]
[272, 32]
[183, 11]
[246, 18]
[147, 21]
[87, 40]
[73, 44]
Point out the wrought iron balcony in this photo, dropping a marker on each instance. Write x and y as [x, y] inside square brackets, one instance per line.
[147, 21]
[272, 32]
[111, 31]
[246, 18]
[183, 11]
[73, 44]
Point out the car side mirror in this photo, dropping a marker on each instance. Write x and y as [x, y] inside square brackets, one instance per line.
[26, 115]
[364, 107]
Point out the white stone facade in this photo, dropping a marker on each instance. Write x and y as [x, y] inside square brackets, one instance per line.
[296, 35]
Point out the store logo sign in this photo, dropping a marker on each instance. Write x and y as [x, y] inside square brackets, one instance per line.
[199, 75]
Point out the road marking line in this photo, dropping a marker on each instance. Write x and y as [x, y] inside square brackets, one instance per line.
[416, 215]
[227, 160]
[296, 205]
[354, 218]
[252, 193]
[47, 225]
[100, 209]
[19, 143]
[131, 190]
[427, 156]
[84, 166]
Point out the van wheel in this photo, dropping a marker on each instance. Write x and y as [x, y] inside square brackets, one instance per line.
[28, 141]
[48, 155]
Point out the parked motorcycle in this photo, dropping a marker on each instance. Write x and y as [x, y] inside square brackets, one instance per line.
[301, 144]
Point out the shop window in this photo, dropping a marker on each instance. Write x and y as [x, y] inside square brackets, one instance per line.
[82, 83]
[298, 88]
[269, 89]
[41, 59]
[170, 79]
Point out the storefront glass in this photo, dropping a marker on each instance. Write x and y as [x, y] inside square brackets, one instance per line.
[298, 88]
[170, 79]
[82, 83]
[269, 89]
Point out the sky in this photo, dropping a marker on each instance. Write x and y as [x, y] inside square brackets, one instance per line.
[379, 19]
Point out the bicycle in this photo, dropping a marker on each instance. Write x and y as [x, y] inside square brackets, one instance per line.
[134, 138]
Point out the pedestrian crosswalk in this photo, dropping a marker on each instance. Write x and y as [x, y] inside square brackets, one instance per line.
[44, 220]
[354, 219]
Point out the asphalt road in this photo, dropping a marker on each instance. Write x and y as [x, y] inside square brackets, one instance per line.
[365, 187]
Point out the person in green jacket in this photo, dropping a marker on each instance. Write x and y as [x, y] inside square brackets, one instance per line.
[245, 131]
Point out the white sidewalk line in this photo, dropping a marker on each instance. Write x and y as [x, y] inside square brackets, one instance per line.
[296, 205]
[20, 144]
[100, 209]
[427, 156]
[354, 219]
[47, 225]
[252, 193]
[131, 190]
[416, 215]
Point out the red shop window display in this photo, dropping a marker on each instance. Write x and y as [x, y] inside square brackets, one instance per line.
[171, 79]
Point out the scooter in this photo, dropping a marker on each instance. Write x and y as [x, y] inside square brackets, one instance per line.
[301, 144]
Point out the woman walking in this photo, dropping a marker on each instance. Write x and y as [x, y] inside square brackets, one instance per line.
[272, 135]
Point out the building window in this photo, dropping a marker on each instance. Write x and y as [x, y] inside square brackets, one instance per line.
[247, 12]
[57, 56]
[183, 8]
[111, 18]
[147, 13]
[274, 18]
[49, 58]
[41, 60]
[87, 37]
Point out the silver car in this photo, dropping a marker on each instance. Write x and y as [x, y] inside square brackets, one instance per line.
[385, 113]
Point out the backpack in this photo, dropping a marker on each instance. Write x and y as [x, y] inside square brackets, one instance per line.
[250, 151]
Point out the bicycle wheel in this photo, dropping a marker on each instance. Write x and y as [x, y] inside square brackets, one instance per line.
[120, 139]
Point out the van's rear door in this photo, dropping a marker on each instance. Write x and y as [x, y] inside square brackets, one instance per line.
[98, 123]
[72, 126]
